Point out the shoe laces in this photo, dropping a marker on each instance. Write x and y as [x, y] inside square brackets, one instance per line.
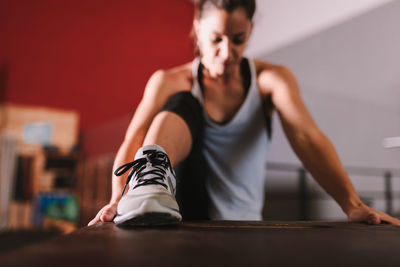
[159, 162]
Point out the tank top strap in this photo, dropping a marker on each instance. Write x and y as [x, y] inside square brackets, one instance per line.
[196, 90]
[253, 75]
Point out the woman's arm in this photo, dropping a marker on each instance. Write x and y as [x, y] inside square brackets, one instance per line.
[312, 147]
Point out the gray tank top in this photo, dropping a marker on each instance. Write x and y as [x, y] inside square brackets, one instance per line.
[235, 154]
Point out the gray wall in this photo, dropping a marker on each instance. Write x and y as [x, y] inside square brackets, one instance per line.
[281, 22]
[349, 76]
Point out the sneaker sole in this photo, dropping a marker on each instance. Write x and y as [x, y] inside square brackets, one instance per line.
[150, 219]
[150, 213]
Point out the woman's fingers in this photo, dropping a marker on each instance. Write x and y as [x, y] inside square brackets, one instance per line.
[106, 214]
[390, 219]
[96, 219]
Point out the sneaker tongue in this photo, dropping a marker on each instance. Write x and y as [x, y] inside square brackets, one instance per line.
[151, 171]
[140, 152]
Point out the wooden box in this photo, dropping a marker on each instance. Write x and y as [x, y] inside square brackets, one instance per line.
[39, 126]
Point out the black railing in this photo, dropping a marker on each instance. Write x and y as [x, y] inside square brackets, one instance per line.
[304, 195]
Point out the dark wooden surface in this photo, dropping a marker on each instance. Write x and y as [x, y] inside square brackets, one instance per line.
[218, 244]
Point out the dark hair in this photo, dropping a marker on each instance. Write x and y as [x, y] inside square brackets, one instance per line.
[249, 6]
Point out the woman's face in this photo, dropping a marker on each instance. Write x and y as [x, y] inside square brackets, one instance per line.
[222, 38]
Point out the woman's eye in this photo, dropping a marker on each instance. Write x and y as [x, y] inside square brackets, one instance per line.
[217, 40]
[238, 41]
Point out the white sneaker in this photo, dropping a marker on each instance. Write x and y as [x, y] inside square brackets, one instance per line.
[150, 199]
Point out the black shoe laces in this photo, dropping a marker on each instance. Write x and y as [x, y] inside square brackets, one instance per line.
[156, 159]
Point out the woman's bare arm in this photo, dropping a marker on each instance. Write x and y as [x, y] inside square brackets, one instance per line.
[313, 148]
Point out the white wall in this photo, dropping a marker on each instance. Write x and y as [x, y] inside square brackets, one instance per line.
[349, 77]
[281, 22]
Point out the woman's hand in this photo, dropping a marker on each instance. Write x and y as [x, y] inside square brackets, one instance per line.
[364, 213]
[106, 214]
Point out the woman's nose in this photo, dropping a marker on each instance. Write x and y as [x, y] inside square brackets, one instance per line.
[225, 49]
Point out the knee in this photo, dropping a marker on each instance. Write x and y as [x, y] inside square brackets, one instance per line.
[185, 105]
[183, 102]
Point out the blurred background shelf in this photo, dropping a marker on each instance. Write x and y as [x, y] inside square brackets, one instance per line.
[40, 155]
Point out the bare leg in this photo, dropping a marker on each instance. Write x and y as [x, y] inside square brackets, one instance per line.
[171, 132]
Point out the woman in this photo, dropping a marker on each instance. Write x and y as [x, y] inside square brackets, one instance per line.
[214, 119]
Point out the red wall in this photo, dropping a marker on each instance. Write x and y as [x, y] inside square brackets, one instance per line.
[93, 56]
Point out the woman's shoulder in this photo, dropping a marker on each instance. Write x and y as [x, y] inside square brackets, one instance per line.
[178, 78]
[268, 71]
[270, 76]
[263, 66]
